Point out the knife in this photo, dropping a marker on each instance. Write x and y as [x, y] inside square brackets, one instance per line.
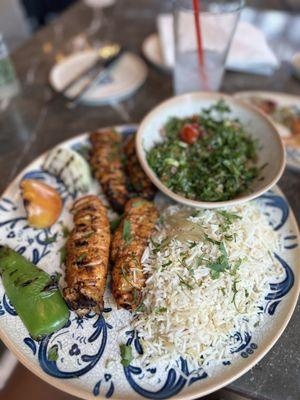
[93, 80]
[105, 57]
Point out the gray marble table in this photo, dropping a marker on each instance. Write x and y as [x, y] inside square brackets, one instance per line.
[29, 126]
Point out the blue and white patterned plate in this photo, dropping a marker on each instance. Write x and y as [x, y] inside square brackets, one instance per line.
[88, 363]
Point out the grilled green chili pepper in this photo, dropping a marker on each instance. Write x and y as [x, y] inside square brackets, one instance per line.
[33, 293]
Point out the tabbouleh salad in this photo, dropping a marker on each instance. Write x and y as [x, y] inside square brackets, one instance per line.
[208, 156]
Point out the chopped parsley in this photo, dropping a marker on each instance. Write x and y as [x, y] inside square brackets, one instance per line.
[184, 282]
[52, 354]
[217, 267]
[156, 246]
[50, 239]
[57, 276]
[223, 250]
[138, 203]
[159, 246]
[231, 238]
[159, 310]
[65, 231]
[217, 167]
[140, 308]
[196, 213]
[127, 236]
[228, 217]
[126, 355]
[89, 234]
[82, 257]
[63, 254]
[270, 254]
[125, 275]
[166, 264]
[236, 266]
[211, 240]
[115, 223]
[220, 265]
[201, 258]
[235, 291]
[136, 296]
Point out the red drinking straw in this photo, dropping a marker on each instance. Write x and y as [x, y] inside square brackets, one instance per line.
[199, 40]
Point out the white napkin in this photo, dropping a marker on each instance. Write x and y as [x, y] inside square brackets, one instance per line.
[249, 50]
[166, 37]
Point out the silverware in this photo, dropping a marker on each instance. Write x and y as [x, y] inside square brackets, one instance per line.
[92, 81]
[106, 55]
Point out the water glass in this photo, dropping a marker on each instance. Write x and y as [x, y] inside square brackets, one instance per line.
[218, 20]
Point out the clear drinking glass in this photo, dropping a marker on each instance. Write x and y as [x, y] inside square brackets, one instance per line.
[218, 20]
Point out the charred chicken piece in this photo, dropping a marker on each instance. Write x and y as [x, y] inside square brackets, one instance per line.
[129, 243]
[87, 256]
[106, 161]
[138, 179]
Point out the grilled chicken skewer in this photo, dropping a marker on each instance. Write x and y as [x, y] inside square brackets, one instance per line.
[106, 161]
[129, 243]
[87, 256]
[139, 180]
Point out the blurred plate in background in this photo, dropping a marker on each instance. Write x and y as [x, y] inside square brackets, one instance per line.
[120, 81]
[151, 49]
[282, 101]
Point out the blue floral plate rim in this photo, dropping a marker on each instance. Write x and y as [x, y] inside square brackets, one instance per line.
[105, 387]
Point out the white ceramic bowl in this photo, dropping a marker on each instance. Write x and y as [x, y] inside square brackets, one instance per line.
[260, 127]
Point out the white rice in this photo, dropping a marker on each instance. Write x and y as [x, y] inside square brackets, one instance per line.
[188, 313]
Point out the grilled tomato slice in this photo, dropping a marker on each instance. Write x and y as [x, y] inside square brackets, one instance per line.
[42, 203]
